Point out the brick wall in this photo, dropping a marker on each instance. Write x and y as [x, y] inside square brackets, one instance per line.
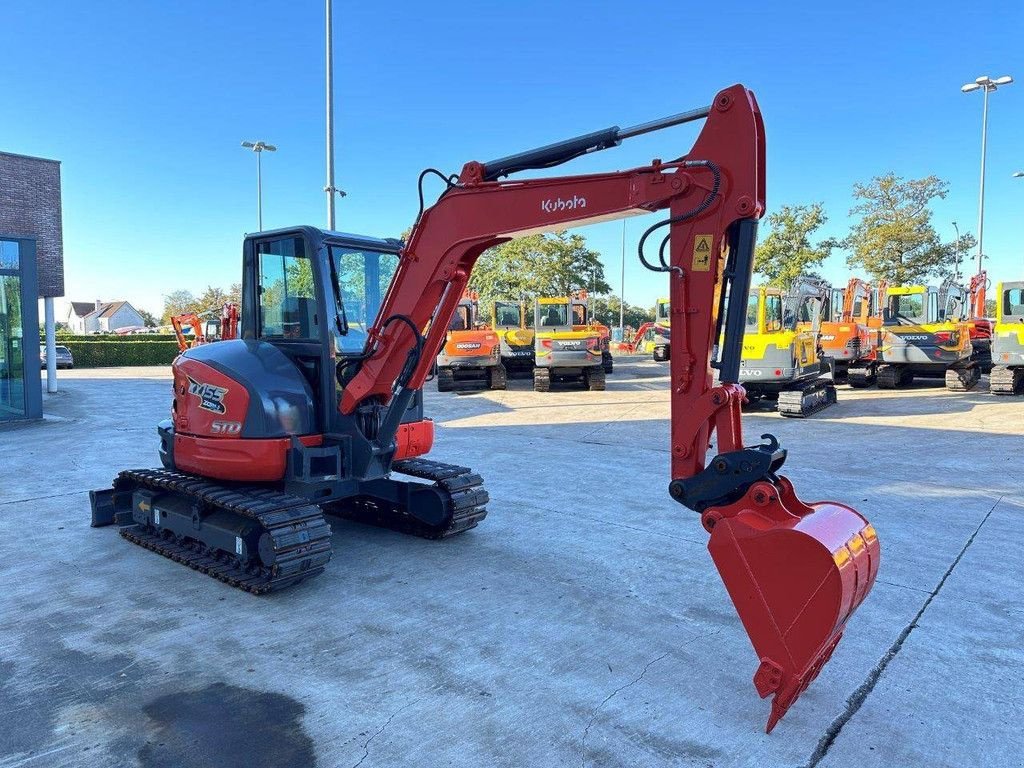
[30, 207]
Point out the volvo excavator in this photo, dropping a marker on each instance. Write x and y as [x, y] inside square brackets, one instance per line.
[1007, 377]
[781, 360]
[317, 410]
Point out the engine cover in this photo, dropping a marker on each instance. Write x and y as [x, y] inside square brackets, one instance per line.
[240, 388]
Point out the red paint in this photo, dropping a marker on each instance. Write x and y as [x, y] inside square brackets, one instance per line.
[245, 459]
[414, 439]
[193, 379]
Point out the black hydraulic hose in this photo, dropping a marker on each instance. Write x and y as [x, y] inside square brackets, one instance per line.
[450, 181]
[696, 211]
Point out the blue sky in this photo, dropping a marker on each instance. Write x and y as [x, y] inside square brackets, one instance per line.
[146, 104]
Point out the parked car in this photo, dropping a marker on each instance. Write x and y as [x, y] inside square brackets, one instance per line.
[64, 358]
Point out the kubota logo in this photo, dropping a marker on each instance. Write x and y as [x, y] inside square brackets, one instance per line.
[211, 397]
[554, 205]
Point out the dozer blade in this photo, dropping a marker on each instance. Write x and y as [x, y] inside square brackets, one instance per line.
[796, 573]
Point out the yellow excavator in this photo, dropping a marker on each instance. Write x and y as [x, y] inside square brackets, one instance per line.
[653, 338]
[564, 354]
[508, 321]
[781, 359]
[926, 332]
[1007, 376]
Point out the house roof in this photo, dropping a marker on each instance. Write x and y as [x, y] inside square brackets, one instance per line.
[83, 308]
[110, 308]
[87, 308]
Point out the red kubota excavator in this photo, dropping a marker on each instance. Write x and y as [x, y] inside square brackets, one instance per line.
[318, 407]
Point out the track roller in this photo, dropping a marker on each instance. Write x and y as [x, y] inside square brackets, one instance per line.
[861, 376]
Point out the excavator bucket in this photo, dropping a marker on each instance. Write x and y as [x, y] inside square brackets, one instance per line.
[796, 573]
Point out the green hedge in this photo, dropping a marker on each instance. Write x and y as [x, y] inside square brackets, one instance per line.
[66, 338]
[104, 354]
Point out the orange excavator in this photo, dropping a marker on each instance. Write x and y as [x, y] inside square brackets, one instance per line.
[980, 326]
[334, 330]
[847, 337]
[203, 332]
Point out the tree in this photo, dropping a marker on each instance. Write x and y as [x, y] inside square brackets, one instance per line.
[788, 252]
[148, 319]
[211, 300]
[178, 302]
[605, 309]
[894, 239]
[538, 265]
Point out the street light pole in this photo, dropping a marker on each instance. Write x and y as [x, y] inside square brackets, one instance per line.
[330, 189]
[259, 147]
[986, 84]
[956, 272]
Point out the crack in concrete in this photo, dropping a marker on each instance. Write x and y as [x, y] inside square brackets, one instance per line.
[857, 699]
[366, 744]
[609, 697]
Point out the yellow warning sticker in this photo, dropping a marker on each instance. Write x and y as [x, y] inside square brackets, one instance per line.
[702, 253]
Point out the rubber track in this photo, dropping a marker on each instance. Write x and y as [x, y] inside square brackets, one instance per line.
[467, 500]
[300, 534]
[859, 377]
[889, 377]
[541, 380]
[956, 381]
[791, 401]
[1006, 381]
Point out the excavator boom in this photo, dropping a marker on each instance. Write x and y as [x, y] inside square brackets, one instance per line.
[796, 572]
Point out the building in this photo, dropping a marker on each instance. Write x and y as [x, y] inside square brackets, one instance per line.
[102, 317]
[31, 267]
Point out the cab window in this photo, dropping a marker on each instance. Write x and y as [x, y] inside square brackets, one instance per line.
[553, 315]
[907, 308]
[460, 320]
[751, 326]
[1013, 304]
[506, 315]
[579, 314]
[772, 313]
[287, 297]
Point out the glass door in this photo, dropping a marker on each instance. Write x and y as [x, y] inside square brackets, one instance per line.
[12, 343]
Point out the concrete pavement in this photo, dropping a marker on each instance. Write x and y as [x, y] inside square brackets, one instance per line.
[582, 623]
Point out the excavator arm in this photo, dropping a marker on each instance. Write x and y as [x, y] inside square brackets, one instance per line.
[795, 571]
